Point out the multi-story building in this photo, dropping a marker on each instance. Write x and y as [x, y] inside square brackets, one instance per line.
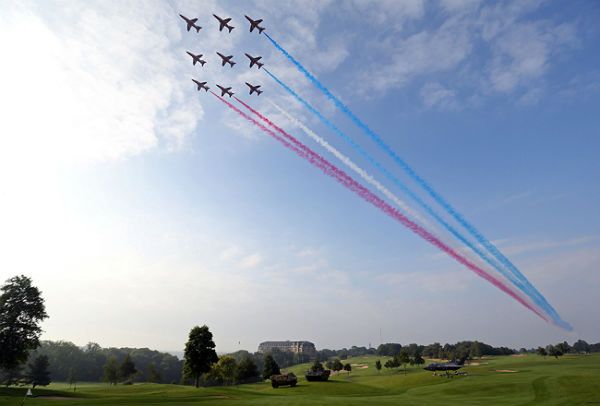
[297, 347]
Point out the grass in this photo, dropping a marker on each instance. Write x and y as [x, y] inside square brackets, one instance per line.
[570, 380]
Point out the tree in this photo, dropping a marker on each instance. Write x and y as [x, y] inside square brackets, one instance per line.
[227, 368]
[402, 359]
[378, 365]
[21, 310]
[199, 353]
[475, 350]
[337, 365]
[391, 363]
[153, 374]
[38, 374]
[581, 347]
[127, 368]
[71, 378]
[111, 371]
[247, 370]
[316, 366]
[270, 367]
[347, 367]
[418, 360]
[542, 351]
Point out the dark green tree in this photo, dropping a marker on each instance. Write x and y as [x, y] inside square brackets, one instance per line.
[111, 371]
[347, 367]
[316, 366]
[199, 353]
[153, 374]
[72, 378]
[247, 370]
[542, 351]
[337, 365]
[38, 373]
[402, 359]
[581, 347]
[270, 367]
[127, 368]
[418, 360]
[378, 365]
[21, 310]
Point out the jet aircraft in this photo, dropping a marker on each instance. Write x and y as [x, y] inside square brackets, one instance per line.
[223, 23]
[226, 59]
[201, 85]
[225, 90]
[191, 22]
[254, 24]
[196, 58]
[254, 89]
[254, 61]
[445, 366]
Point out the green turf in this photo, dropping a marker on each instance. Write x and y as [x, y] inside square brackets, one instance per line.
[570, 380]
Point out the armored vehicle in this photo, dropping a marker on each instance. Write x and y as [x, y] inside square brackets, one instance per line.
[317, 375]
[284, 379]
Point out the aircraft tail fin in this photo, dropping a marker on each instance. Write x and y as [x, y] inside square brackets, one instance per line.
[260, 29]
[230, 28]
[259, 91]
[197, 29]
[202, 62]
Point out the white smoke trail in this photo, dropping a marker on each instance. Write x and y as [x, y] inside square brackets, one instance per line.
[350, 164]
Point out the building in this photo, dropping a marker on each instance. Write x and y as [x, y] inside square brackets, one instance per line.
[297, 347]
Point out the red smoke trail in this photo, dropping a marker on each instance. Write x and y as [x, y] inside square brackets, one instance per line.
[329, 169]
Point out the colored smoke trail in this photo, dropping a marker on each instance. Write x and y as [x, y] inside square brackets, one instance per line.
[349, 163]
[333, 171]
[529, 289]
[408, 191]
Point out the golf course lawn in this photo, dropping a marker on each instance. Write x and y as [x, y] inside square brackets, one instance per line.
[507, 380]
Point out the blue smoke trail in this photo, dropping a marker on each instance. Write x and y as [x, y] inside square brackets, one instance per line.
[525, 288]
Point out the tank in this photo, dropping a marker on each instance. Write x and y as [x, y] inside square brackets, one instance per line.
[283, 380]
[318, 375]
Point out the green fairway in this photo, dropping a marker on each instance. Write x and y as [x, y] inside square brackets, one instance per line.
[510, 380]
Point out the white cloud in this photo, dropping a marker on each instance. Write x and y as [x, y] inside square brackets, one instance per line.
[250, 261]
[91, 81]
[436, 95]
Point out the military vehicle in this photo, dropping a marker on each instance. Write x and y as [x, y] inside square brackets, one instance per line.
[317, 375]
[283, 380]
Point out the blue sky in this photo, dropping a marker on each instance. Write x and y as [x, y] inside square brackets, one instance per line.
[142, 207]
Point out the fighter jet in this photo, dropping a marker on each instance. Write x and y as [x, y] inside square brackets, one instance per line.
[226, 59]
[254, 24]
[254, 89]
[196, 58]
[201, 85]
[223, 22]
[225, 90]
[191, 22]
[254, 61]
[445, 366]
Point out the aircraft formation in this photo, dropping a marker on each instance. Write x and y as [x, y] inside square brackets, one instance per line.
[224, 22]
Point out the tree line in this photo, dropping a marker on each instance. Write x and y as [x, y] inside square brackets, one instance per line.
[24, 359]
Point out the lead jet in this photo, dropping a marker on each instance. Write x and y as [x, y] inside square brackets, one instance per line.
[225, 90]
[445, 366]
[196, 58]
[254, 61]
[201, 85]
[191, 23]
[223, 22]
[226, 59]
[254, 89]
[254, 24]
